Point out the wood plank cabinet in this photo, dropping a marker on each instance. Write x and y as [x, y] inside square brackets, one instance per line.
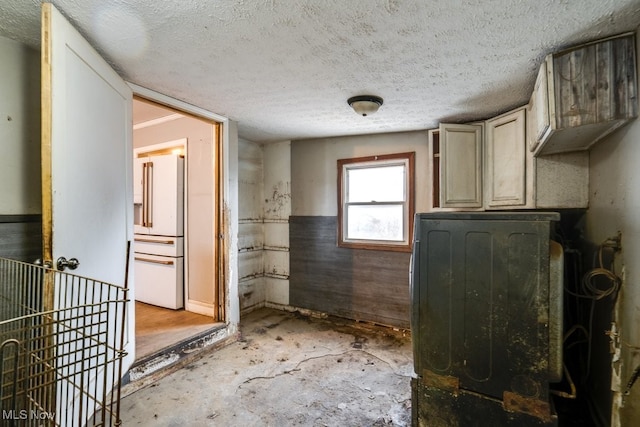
[488, 166]
[583, 94]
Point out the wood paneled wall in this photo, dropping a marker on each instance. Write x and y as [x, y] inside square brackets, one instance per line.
[367, 285]
[21, 237]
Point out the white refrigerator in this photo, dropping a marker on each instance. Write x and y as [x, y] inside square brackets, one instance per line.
[158, 199]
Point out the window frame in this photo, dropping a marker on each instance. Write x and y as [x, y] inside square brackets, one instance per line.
[406, 159]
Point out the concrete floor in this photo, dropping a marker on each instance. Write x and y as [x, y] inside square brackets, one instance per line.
[287, 369]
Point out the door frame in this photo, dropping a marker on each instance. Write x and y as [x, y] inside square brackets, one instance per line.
[222, 126]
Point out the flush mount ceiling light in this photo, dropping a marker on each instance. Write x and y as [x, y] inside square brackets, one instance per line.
[365, 104]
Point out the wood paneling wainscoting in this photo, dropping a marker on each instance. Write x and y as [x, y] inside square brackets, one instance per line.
[21, 237]
[365, 285]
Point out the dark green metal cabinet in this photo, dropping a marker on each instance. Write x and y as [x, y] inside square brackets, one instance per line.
[485, 314]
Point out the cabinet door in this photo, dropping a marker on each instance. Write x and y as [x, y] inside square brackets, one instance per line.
[460, 166]
[539, 126]
[506, 169]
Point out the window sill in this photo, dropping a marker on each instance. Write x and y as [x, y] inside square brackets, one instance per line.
[375, 247]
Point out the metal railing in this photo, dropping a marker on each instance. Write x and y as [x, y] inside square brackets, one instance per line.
[60, 355]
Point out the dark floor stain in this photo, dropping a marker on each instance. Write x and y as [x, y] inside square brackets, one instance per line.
[273, 325]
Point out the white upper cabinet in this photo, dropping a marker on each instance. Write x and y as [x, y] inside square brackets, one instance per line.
[583, 94]
[460, 166]
[499, 172]
[507, 176]
[536, 157]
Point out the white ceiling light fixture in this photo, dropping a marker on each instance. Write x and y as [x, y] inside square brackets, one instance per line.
[365, 105]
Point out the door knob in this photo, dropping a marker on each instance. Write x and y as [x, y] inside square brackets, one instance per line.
[62, 263]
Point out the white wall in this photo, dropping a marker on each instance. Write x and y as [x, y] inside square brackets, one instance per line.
[19, 129]
[230, 171]
[314, 170]
[251, 226]
[264, 207]
[614, 207]
[277, 209]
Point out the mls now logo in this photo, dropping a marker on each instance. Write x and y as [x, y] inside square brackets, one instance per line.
[23, 414]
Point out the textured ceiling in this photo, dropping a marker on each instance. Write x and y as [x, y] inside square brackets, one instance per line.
[285, 68]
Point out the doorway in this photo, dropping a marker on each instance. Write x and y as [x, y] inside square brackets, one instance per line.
[160, 328]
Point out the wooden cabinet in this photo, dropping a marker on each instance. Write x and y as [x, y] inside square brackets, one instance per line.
[583, 94]
[507, 167]
[536, 157]
[456, 166]
[462, 180]
[461, 166]
[538, 128]
[499, 172]
[456, 153]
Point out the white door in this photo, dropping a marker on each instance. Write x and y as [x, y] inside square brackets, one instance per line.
[86, 154]
[86, 158]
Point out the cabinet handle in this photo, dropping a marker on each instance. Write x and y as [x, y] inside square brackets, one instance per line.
[161, 242]
[154, 261]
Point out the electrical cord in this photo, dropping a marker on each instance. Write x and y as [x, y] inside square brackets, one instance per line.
[595, 285]
[589, 290]
[632, 380]
[573, 394]
[587, 280]
[572, 386]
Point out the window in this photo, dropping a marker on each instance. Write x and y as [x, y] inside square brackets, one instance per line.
[375, 202]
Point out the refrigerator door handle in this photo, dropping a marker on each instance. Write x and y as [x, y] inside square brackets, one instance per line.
[160, 242]
[145, 196]
[149, 194]
[154, 261]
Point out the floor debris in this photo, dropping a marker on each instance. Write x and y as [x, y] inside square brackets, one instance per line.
[287, 369]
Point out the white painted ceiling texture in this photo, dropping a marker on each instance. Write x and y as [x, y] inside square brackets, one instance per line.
[284, 69]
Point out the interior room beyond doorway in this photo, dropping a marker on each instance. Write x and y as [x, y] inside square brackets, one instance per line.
[161, 328]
